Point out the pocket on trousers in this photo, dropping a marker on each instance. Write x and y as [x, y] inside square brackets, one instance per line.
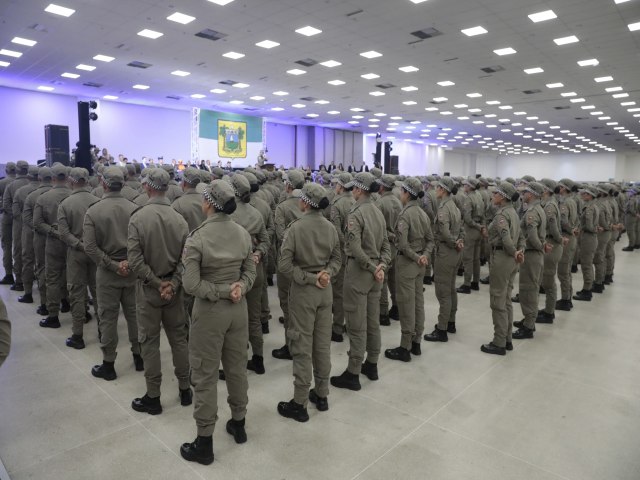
[293, 335]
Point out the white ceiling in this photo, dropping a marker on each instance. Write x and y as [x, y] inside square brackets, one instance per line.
[110, 28]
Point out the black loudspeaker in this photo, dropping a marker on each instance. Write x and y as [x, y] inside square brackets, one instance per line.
[56, 141]
[393, 165]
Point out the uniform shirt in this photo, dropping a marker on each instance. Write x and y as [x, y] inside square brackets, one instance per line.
[430, 202]
[141, 200]
[534, 226]
[340, 207]
[390, 207]
[133, 183]
[129, 193]
[630, 205]
[448, 223]
[250, 218]
[331, 194]
[604, 214]
[366, 239]
[473, 211]
[20, 196]
[310, 245]
[189, 206]
[286, 212]
[30, 203]
[267, 214]
[267, 195]
[71, 214]
[552, 212]
[589, 217]
[615, 210]
[217, 254]
[413, 234]
[154, 245]
[10, 192]
[504, 230]
[98, 191]
[45, 213]
[3, 186]
[569, 218]
[104, 232]
[173, 192]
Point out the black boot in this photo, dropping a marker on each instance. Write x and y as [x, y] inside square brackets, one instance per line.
[437, 336]
[464, 289]
[369, 370]
[516, 298]
[87, 317]
[564, 305]
[627, 249]
[186, 396]
[26, 298]
[281, 320]
[460, 272]
[574, 269]
[337, 337]
[65, 306]
[394, 314]
[415, 349]
[384, 320]
[236, 429]
[485, 280]
[427, 280]
[583, 295]
[541, 290]
[475, 286]
[7, 280]
[256, 364]
[544, 317]
[346, 380]
[270, 280]
[221, 375]
[508, 346]
[42, 310]
[493, 349]
[520, 324]
[522, 333]
[608, 279]
[138, 362]
[265, 327]
[321, 403]
[75, 341]
[17, 287]
[104, 371]
[293, 410]
[200, 450]
[282, 353]
[451, 327]
[50, 322]
[398, 353]
[598, 288]
[147, 404]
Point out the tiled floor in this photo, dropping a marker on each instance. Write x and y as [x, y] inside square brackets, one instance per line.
[561, 406]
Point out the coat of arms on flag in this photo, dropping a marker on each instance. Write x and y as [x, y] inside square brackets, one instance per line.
[232, 139]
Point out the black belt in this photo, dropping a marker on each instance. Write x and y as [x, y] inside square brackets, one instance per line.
[419, 253]
[168, 275]
[374, 259]
[533, 250]
[498, 248]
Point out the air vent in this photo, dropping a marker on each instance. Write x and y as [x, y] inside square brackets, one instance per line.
[582, 118]
[531, 92]
[92, 84]
[174, 97]
[597, 128]
[307, 62]
[228, 82]
[251, 109]
[209, 34]
[475, 114]
[308, 99]
[38, 28]
[426, 33]
[494, 69]
[450, 59]
[562, 108]
[137, 64]
[356, 12]
[386, 85]
[485, 76]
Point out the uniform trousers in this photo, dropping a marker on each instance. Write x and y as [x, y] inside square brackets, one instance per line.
[588, 244]
[599, 259]
[564, 268]
[254, 305]
[529, 287]
[471, 255]
[610, 253]
[630, 224]
[284, 284]
[28, 260]
[7, 240]
[55, 273]
[410, 298]
[39, 245]
[502, 276]
[549, 271]
[389, 285]
[337, 283]
[17, 248]
[445, 270]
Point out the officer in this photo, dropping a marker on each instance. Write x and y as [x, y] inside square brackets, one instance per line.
[507, 251]
[431, 209]
[449, 240]
[81, 270]
[132, 180]
[616, 229]
[174, 191]
[154, 228]
[368, 257]
[310, 256]
[104, 236]
[19, 198]
[286, 212]
[390, 206]
[7, 232]
[414, 242]
[45, 221]
[604, 228]
[551, 259]
[588, 240]
[218, 269]
[340, 207]
[5, 333]
[127, 192]
[570, 223]
[533, 226]
[21, 179]
[473, 210]
[631, 218]
[189, 205]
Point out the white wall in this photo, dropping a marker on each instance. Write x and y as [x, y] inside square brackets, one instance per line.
[580, 167]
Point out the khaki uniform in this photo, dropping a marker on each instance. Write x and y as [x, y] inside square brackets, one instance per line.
[154, 228]
[7, 228]
[580, 203]
[217, 254]
[310, 245]
[366, 246]
[473, 217]
[390, 206]
[141, 200]
[18, 227]
[340, 207]
[33, 246]
[8, 199]
[267, 217]
[430, 207]
[610, 255]
[551, 259]
[105, 241]
[569, 221]
[588, 242]
[5, 333]
[631, 219]
[414, 238]
[534, 228]
[604, 222]
[189, 206]
[81, 270]
[174, 191]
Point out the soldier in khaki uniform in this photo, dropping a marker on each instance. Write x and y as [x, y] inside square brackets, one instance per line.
[189, 205]
[173, 191]
[473, 216]
[7, 232]
[45, 221]
[219, 270]
[132, 177]
[5, 333]
[588, 241]
[414, 242]
[631, 218]
[19, 235]
[449, 240]
[154, 228]
[81, 270]
[616, 229]
[604, 230]
[368, 257]
[507, 251]
[310, 256]
[570, 223]
[104, 235]
[22, 171]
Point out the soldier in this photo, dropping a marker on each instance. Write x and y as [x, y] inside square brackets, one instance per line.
[174, 191]
[604, 235]
[368, 257]
[81, 270]
[533, 227]
[218, 270]
[132, 180]
[286, 212]
[631, 218]
[431, 209]
[21, 179]
[449, 240]
[154, 228]
[570, 223]
[588, 240]
[414, 242]
[45, 221]
[390, 206]
[104, 235]
[616, 229]
[19, 199]
[7, 228]
[5, 333]
[473, 215]
[189, 205]
[128, 192]
[507, 251]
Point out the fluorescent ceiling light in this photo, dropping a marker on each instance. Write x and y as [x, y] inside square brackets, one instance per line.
[542, 16]
[380, 114]
[46, 89]
[569, 94]
[620, 95]
[493, 102]
[603, 79]
[241, 85]
[141, 87]
[505, 107]
[70, 75]
[180, 73]
[377, 93]
[474, 95]
[181, 18]
[233, 55]
[621, 1]
[10, 53]
[267, 44]
[461, 105]
[312, 115]
[577, 100]
[308, 31]
[440, 99]
[627, 104]
[236, 102]
[370, 76]
[446, 83]
[218, 90]
[296, 71]
[531, 71]
[408, 69]
[330, 63]
[473, 31]
[222, 3]
[87, 68]
[198, 96]
[588, 107]
[110, 97]
[298, 105]
[410, 102]
[150, 33]
[104, 58]
[322, 102]
[333, 112]
[634, 26]
[371, 54]
[357, 109]
[58, 10]
[592, 62]
[613, 89]
[504, 51]
[4, 64]
[446, 113]
[519, 113]
[23, 41]
[256, 98]
[277, 109]
[409, 89]
[336, 82]
[280, 93]
[475, 110]
[566, 40]
[350, 122]
[555, 85]
[417, 1]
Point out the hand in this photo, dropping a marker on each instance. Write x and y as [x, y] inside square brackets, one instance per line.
[459, 245]
[379, 273]
[576, 232]
[236, 292]
[257, 256]
[166, 290]
[565, 241]
[547, 247]
[123, 268]
[323, 279]
[423, 261]
[599, 229]
[519, 256]
[484, 232]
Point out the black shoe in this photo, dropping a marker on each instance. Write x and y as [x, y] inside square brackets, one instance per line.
[65, 306]
[398, 353]
[463, 289]
[475, 286]
[369, 370]
[337, 337]
[256, 364]
[541, 290]
[293, 410]
[265, 328]
[200, 450]
[17, 287]
[42, 310]
[50, 322]
[520, 324]
[221, 375]
[26, 298]
[415, 349]
[270, 280]
[483, 261]
[427, 280]
[583, 295]
[138, 362]
[608, 279]
[451, 327]
[628, 249]
[7, 280]
[87, 317]
[437, 336]
[564, 305]
[104, 371]
[485, 280]
[460, 272]
[282, 353]
[516, 298]
[574, 269]
[544, 317]
[493, 349]
[598, 288]
[281, 320]
[321, 403]
[236, 429]
[75, 341]
[522, 333]
[508, 346]
[394, 314]
[186, 396]
[147, 404]
[384, 320]
[346, 380]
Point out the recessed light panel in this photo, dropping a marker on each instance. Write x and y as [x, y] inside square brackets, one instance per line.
[46, 89]
[592, 62]
[566, 40]
[141, 87]
[370, 76]
[505, 51]
[336, 82]
[222, 3]
[110, 97]
[603, 79]
[371, 54]
[218, 90]
[408, 69]
[180, 73]
[58, 10]
[86, 68]
[198, 96]
[634, 26]
[70, 75]
[150, 34]
[10, 53]
[409, 89]
[330, 63]
[267, 44]
[308, 31]
[280, 93]
[543, 16]
[256, 98]
[181, 18]
[233, 55]
[446, 83]
[531, 71]
[4, 64]
[473, 31]
[241, 85]
[23, 41]
[104, 58]
[296, 71]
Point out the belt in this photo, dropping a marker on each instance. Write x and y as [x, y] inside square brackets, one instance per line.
[497, 248]
[374, 259]
[419, 253]
[533, 250]
[168, 275]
